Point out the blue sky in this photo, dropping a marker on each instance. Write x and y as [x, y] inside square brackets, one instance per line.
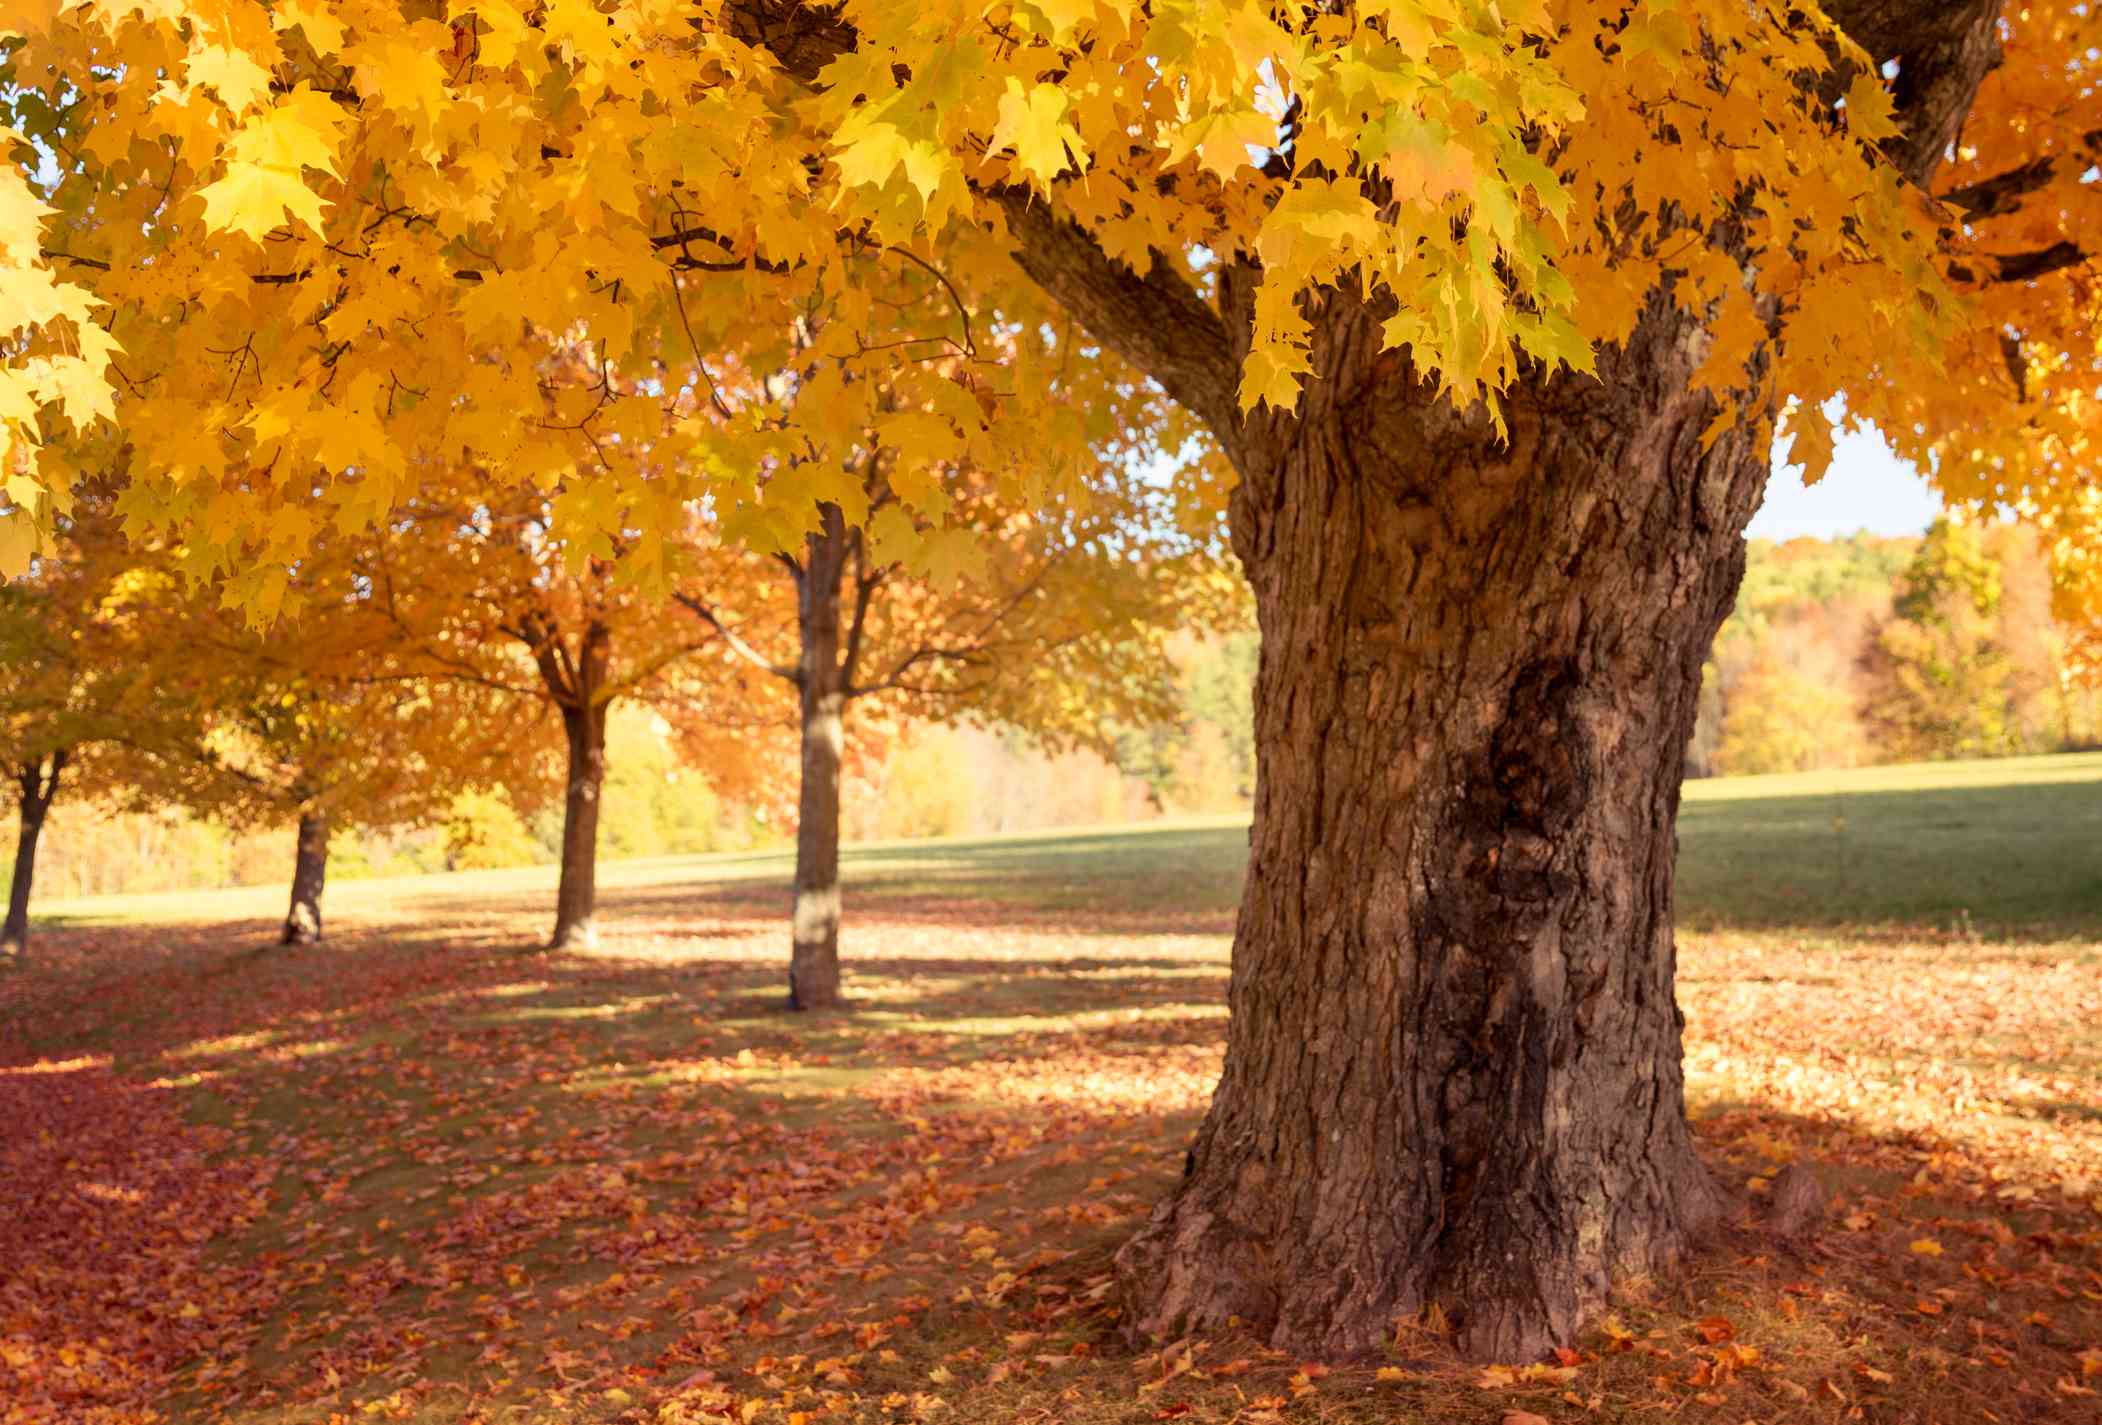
[1866, 488]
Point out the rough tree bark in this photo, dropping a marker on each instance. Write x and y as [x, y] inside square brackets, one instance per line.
[309, 877]
[576, 896]
[821, 686]
[1452, 1069]
[1452, 1072]
[36, 783]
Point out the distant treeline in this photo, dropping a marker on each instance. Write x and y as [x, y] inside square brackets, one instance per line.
[925, 780]
[1867, 650]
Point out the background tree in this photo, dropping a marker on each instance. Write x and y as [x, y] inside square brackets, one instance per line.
[1937, 676]
[1491, 311]
[1056, 622]
[1780, 720]
[323, 720]
[482, 592]
[1968, 664]
[91, 682]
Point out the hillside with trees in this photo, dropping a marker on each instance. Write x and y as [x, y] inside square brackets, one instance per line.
[1863, 651]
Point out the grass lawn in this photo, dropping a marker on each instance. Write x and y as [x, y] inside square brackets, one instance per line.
[421, 1173]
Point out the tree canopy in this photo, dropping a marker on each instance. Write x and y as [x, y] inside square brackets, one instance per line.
[307, 245]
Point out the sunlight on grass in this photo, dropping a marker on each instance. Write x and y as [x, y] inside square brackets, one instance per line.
[57, 1066]
[609, 1009]
[229, 1044]
[1078, 1021]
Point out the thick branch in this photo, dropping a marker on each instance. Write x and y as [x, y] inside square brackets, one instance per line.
[2003, 192]
[1155, 321]
[1943, 51]
[2026, 266]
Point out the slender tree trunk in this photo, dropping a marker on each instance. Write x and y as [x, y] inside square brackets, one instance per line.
[309, 875]
[576, 897]
[1452, 1072]
[36, 783]
[14, 935]
[813, 964]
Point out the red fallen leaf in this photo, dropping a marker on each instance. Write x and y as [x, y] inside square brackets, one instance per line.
[1714, 1329]
[1568, 1357]
[1173, 1412]
[1523, 1417]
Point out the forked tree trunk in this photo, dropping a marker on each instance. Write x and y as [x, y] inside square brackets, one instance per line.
[34, 789]
[309, 878]
[1452, 1071]
[813, 962]
[576, 897]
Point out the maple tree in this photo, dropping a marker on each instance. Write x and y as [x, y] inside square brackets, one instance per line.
[1492, 311]
[441, 1180]
[324, 721]
[90, 688]
[484, 593]
[1057, 635]
[1055, 623]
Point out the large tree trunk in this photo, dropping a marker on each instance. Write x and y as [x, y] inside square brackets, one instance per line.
[1452, 1071]
[309, 878]
[576, 897]
[35, 787]
[813, 963]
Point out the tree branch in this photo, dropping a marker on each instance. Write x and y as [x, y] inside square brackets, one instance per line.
[866, 581]
[2002, 193]
[1943, 51]
[737, 645]
[1156, 321]
[2025, 266]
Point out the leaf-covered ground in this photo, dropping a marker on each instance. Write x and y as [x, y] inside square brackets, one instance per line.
[419, 1173]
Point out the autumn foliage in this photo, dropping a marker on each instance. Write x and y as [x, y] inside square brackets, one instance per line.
[463, 366]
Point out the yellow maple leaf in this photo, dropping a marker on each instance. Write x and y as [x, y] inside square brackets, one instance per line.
[400, 72]
[232, 74]
[253, 198]
[1869, 109]
[22, 215]
[1811, 442]
[300, 132]
[1033, 123]
[320, 25]
[1271, 377]
[1225, 143]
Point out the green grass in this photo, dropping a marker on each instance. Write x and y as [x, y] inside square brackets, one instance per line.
[1995, 846]
[2003, 845]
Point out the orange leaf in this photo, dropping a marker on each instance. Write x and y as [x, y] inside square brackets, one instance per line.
[1714, 1329]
